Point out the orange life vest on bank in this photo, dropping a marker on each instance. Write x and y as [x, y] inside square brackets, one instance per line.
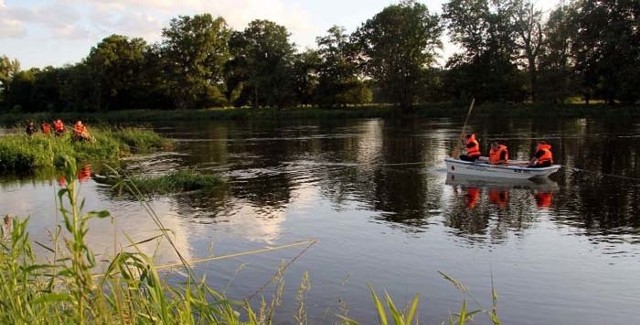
[58, 126]
[494, 155]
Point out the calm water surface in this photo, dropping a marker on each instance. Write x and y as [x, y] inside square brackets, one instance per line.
[376, 196]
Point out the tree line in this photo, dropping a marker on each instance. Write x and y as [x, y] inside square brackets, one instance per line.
[508, 51]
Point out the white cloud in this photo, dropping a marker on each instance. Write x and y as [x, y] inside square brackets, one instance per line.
[11, 28]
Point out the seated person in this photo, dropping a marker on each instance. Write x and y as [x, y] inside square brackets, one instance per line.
[543, 156]
[472, 148]
[45, 128]
[498, 154]
[58, 127]
[80, 132]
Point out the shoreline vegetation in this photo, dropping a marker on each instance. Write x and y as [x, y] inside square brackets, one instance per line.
[72, 288]
[24, 155]
[438, 110]
[185, 180]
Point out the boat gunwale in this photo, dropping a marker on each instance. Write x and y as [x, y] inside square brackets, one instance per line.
[501, 171]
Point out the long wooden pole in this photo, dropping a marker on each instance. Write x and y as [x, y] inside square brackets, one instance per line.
[456, 150]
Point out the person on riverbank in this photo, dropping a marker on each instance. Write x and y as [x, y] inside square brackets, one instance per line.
[543, 156]
[58, 127]
[498, 154]
[45, 127]
[472, 148]
[80, 132]
[31, 128]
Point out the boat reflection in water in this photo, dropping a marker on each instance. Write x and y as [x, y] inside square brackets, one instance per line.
[498, 190]
[492, 208]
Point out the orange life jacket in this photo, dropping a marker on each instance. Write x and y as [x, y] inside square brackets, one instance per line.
[494, 155]
[546, 156]
[58, 126]
[475, 149]
[46, 128]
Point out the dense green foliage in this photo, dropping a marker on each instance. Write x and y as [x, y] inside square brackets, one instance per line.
[398, 44]
[508, 51]
[26, 154]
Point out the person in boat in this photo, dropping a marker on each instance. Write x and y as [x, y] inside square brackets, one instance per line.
[498, 154]
[543, 156]
[80, 132]
[58, 127]
[472, 148]
[31, 128]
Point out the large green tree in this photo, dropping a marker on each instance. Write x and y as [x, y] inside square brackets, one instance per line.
[338, 78]
[607, 49]
[8, 68]
[305, 76]
[529, 40]
[194, 52]
[398, 45]
[557, 82]
[117, 64]
[486, 67]
[262, 66]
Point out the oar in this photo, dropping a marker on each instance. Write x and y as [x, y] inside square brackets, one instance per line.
[456, 150]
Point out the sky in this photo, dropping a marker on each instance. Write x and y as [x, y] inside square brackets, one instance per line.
[40, 33]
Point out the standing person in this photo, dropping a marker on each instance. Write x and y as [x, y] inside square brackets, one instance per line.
[543, 156]
[498, 154]
[45, 127]
[472, 148]
[31, 128]
[58, 127]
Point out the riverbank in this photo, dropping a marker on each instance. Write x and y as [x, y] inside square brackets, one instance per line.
[439, 110]
[23, 154]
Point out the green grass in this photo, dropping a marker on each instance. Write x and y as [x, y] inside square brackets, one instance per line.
[175, 182]
[22, 154]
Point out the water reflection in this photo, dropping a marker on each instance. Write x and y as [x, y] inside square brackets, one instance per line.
[489, 207]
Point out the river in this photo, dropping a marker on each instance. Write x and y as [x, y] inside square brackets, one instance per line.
[375, 195]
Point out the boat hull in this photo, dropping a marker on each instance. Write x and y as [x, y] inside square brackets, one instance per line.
[514, 170]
